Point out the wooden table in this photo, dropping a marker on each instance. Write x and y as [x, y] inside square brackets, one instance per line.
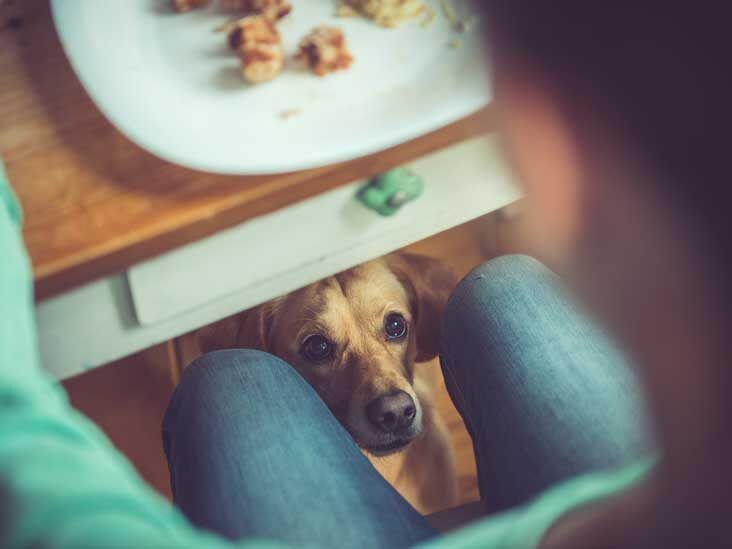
[96, 204]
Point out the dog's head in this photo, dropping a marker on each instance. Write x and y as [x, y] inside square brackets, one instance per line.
[355, 337]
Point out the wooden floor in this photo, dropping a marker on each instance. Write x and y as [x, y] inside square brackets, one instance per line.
[127, 399]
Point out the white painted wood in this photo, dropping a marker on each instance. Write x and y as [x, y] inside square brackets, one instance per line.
[312, 231]
[262, 259]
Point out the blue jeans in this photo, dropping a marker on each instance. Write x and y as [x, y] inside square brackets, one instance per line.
[254, 452]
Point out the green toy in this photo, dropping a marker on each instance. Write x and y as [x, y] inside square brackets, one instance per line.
[388, 192]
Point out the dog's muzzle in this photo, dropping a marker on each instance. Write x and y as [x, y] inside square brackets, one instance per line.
[393, 413]
[394, 420]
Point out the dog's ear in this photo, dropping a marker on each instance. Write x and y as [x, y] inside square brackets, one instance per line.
[429, 284]
[247, 330]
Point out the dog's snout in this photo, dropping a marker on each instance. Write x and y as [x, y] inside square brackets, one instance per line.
[392, 413]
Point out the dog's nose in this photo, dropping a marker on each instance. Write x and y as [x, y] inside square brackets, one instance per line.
[392, 413]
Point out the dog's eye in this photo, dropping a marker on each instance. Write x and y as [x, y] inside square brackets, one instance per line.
[317, 348]
[395, 326]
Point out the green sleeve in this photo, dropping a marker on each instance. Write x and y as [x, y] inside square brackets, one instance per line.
[62, 483]
[524, 527]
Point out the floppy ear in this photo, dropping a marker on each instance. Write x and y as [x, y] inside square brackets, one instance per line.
[247, 330]
[429, 284]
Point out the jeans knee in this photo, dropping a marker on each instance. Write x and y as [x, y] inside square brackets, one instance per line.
[491, 299]
[492, 283]
[238, 366]
[232, 374]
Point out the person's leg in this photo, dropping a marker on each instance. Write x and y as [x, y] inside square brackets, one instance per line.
[543, 393]
[254, 452]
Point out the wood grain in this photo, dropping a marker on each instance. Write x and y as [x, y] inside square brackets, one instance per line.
[94, 202]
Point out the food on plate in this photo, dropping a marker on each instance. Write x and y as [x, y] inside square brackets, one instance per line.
[182, 6]
[289, 113]
[346, 10]
[257, 43]
[429, 17]
[271, 9]
[388, 13]
[325, 50]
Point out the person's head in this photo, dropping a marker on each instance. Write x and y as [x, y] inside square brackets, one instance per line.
[616, 116]
[612, 100]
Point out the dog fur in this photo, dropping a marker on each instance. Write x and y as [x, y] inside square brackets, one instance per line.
[349, 309]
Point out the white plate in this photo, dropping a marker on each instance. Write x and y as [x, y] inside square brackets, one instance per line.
[168, 82]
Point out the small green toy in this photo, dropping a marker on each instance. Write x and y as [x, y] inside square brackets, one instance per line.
[388, 192]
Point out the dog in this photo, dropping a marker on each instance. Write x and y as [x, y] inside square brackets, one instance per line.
[357, 338]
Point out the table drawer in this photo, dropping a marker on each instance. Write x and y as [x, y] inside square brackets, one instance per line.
[203, 282]
[298, 245]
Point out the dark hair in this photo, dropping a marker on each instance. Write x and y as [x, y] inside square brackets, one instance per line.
[659, 76]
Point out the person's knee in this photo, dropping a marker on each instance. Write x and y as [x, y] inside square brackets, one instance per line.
[218, 369]
[233, 374]
[493, 284]
[493, 303]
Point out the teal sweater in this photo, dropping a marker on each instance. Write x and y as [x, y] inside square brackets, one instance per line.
[63, 484]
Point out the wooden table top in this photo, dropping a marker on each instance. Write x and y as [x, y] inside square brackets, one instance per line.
[94, 202]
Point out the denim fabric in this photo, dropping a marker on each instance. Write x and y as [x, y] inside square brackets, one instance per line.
[544, 394]
[253, 451]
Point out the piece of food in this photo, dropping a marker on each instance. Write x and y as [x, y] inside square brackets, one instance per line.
[346, 10]
[325, 50]
[271, 9]
[182, 6]
[429, 17]
[388, 13]
[257, 43]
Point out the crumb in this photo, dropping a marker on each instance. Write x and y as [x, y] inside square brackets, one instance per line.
[182, 6]
[289, 113]
[429, 18]
[325, 50]
[388, 13]
[273, 10]
[454, 43]
[257, 42]
[345, 10]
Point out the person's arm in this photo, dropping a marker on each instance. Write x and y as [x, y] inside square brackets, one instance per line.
[62, 483]
[540, 522]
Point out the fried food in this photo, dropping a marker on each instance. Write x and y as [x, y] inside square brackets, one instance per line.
[257, 43]
[325, 50]
[388, 13]
[182, 6]
[273, 10]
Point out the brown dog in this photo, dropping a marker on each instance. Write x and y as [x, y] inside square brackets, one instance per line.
[355, 337]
